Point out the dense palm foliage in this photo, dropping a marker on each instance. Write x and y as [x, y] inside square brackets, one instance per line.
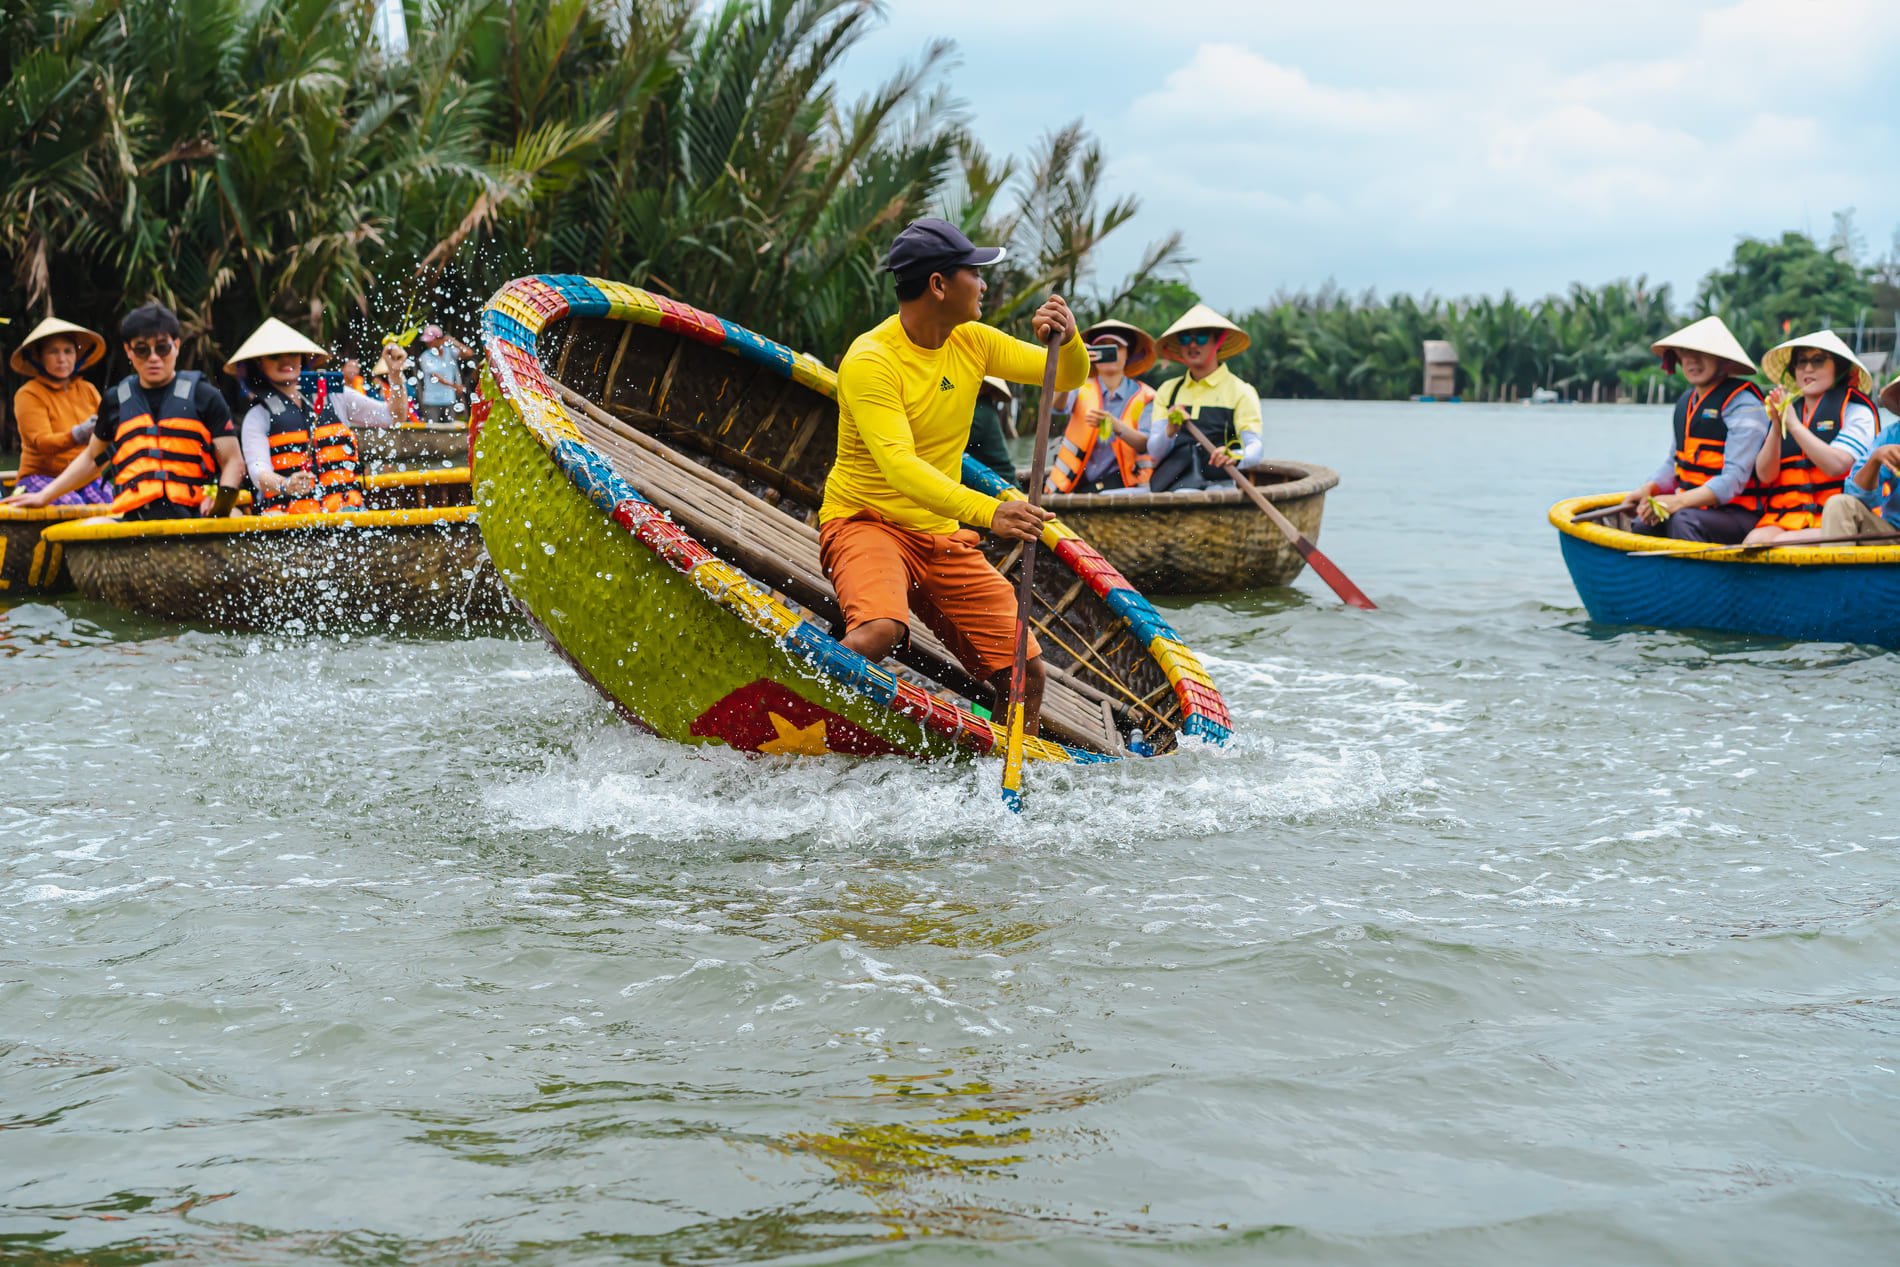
[238, 158]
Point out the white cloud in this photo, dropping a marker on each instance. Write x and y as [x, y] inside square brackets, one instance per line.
[1467, 145]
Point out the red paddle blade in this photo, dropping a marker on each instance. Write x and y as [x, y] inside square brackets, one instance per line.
[1349, 593]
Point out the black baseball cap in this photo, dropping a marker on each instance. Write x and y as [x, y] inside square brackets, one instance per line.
[931, 245]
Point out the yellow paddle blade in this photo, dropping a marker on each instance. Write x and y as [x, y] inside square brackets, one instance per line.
[1013, 760]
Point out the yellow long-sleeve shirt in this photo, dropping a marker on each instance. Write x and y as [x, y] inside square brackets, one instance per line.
[904, 419]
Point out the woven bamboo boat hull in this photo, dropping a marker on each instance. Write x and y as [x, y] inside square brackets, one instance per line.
[29, 564]
[647, 476]
[376, 570]
[1203, 542]
[427, 447]
[1841, 593]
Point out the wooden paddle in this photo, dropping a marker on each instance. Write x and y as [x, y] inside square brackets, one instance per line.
[1026, 593]
[1601, 512]
[1327, 570]
[1716, 547]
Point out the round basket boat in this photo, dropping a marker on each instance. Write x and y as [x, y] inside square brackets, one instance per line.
[648, 477]
[416, 446]
[29, 564]
[1826, 593]
[370, 570]
[1203, 541]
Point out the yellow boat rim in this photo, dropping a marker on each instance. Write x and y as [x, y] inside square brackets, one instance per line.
[99, 529]
[1564, 512]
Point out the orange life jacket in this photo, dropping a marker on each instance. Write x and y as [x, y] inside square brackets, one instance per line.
[1081, 436]
[1702, 436]
[326, 447]
[163, 452]
[1800, 490]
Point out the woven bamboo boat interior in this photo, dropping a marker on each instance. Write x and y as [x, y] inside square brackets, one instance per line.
[738, 454]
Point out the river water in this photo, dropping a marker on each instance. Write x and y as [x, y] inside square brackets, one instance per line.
[1496, 937]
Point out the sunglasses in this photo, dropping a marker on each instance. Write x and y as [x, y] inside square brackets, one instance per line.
[1199, 338]
[162, 348]
[1815, 361]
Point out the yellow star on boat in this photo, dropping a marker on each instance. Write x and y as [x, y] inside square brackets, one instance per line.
[796, 741]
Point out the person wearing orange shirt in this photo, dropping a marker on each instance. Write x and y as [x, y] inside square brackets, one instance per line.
[56, 409]
[890, 529]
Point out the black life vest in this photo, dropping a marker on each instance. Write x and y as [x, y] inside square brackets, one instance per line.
[1702, 439]
[323, 445]
[1800, 489]
[160, 451]
[1216, 422]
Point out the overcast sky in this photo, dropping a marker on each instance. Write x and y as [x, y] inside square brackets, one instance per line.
[1459, 146]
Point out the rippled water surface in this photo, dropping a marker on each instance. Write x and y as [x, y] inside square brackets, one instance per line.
[1496, 938]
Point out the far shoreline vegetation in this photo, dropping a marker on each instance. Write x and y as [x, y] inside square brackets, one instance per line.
[279, 158]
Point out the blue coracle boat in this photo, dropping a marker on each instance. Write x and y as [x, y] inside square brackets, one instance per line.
[1830, 593]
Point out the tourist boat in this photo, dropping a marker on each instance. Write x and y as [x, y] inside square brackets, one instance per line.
[647, 478]
[414, 446]
[28, 564]
[1202, 542]
[1824, 593]
[412, 559]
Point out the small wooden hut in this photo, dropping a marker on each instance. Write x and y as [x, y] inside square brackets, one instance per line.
[1441, 369]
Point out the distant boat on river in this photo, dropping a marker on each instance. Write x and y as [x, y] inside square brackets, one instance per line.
[1826, 593]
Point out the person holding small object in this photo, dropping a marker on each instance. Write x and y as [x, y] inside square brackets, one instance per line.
[55, 408]
[1706, 489]
[1226, 408]
[1872, 504]
[441, 373]
[164, 435]
[302, 454]
[1824, 430]
[1105, 445]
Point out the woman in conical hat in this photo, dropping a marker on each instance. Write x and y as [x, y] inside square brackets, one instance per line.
[1213, 397]
[1706, 489]
[55, 408]
[301, 453]
[989, 428]
[1824, 429]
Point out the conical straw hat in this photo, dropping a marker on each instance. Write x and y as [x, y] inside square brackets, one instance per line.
[91, 346]
[274, 338]
[1890, 396]
[1709, 336]
[1141, 344]
[1000, 386]
[1774, 362]
[1201, 317]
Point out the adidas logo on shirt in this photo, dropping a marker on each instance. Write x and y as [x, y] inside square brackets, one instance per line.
[946, 386]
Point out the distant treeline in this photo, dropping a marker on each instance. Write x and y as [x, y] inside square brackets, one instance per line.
[1586, 343]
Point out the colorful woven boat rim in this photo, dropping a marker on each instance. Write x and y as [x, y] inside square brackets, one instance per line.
[513, 321]
[253, 525]
[1563, 512]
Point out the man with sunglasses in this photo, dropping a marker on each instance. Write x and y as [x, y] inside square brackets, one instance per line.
[1224, 407]
[165, 437]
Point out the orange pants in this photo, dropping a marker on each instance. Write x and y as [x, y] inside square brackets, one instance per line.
[882, 571]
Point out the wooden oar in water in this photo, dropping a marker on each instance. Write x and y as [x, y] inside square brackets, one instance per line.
[1327, 569]
[1716, 547]
[1015, 721]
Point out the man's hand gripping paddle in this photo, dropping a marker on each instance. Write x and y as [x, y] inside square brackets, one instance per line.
[1025, 591]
